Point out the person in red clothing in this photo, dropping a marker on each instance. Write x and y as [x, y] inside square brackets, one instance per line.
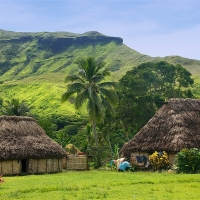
[1, 179]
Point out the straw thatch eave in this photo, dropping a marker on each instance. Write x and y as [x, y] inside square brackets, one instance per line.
[175, 126]
[22, 138]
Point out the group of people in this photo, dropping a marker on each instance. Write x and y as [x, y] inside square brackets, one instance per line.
[121, 164]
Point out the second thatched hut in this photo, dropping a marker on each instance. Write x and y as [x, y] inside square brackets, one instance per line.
[175, 126]
[26, 149]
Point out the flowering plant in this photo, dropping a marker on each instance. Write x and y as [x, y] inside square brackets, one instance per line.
[159, 160]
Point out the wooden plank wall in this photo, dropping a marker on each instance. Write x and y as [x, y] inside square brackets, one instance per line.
[76, 162]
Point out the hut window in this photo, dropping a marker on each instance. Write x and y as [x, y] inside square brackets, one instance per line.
[24, 165]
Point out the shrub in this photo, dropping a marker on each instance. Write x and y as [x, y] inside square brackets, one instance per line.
[70, 148]
[159, 160]
[187, 161]
[99, 155]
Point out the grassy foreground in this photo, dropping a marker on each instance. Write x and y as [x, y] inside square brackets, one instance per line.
[84, 185]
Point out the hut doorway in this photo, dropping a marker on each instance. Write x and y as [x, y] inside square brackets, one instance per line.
[24, 166]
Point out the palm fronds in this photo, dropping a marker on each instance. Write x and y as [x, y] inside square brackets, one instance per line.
[81, 98]
[89, 87]
[72, 78]
[109, 84]
[72, 89]
[17, 108]
[110, 95]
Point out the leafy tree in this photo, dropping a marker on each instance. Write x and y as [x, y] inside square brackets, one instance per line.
[159, 78]
[47, 124]
[187, 161]
[134, 112]
[1, 102]
[15, 107]
[88, 87]
[62, 137]
[62, 129]
[146, 87]
[113, 132]
[143, 91]
[83, 139]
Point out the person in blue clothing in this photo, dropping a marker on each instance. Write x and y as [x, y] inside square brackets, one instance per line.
[125, 165]
[121, 164]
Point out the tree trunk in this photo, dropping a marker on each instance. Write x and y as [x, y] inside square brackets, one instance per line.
[110, 146]
[95, 132]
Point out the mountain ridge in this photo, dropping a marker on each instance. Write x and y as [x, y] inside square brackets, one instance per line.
[22, 47]
[33, 65]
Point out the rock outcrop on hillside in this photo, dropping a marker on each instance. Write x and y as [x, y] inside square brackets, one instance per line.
[57, 40]
[24, 54]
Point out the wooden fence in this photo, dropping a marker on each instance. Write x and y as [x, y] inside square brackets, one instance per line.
[75, 162]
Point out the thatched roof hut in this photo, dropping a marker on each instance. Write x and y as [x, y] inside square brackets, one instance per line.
[21, 138]
[175, 126]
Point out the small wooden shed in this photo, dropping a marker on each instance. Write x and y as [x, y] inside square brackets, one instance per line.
[26, 149]
[175, 126]
[77, 162]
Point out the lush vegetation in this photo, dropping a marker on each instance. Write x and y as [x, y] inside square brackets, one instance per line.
[89, 87]
[84, 185]
[32, 56]
[33, 67]
[187, 161]
[15, 107]
[142, 91]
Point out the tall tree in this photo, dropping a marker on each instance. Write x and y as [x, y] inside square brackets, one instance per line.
[161, 78]
[143, 90]
[88, 86]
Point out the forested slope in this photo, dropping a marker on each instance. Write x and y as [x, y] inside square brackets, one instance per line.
[33, 65]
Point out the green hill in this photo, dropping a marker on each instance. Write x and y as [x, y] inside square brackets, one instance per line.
[33, 65]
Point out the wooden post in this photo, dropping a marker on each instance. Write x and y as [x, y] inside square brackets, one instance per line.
[37, 164]
[46, 165]
[12, 166]
[59, 164]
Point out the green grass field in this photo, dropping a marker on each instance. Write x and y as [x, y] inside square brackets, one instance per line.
[84, 185]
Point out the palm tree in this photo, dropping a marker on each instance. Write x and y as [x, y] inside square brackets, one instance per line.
[15, 107]
[88, 87]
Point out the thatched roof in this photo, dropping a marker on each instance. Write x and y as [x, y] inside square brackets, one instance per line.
[22, 138]
[175, 126]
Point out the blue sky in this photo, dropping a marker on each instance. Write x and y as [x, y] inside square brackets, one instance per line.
[152, 27]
